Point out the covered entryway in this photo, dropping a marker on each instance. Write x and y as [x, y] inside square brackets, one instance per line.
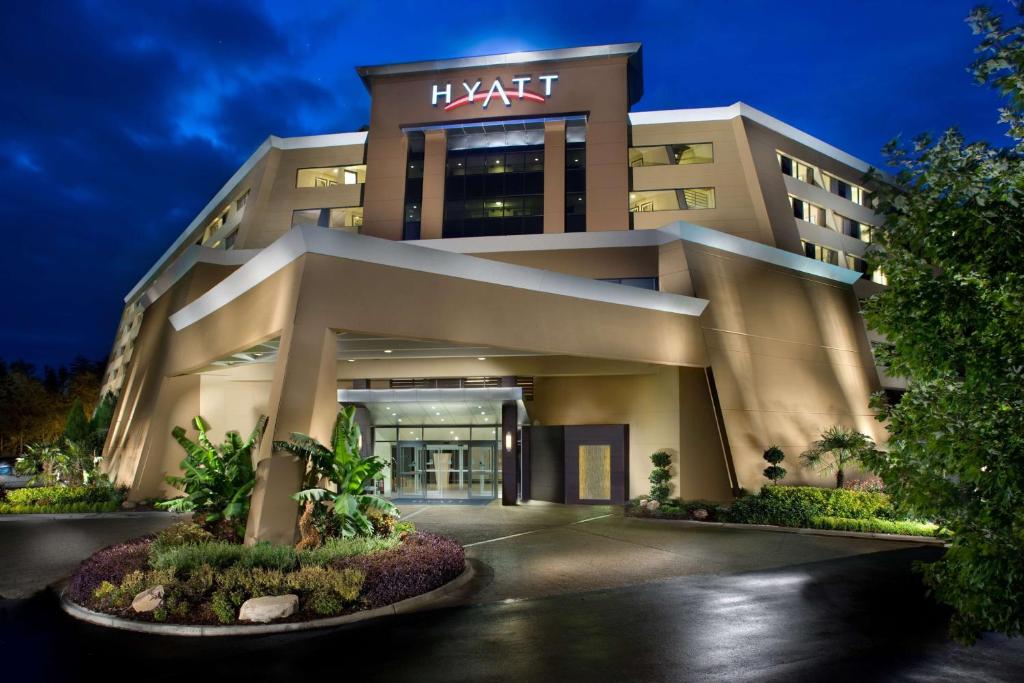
[442, 445]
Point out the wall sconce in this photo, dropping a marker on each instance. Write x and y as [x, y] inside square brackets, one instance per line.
[508, 441]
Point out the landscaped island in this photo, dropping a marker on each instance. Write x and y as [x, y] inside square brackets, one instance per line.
[185, 576]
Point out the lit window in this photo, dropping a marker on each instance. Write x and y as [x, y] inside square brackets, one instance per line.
[347, 218]
[672, 200]
[820, 253]
[331, 176]
[672, 154]
[812, 213]
[879, 277]
[798, 169]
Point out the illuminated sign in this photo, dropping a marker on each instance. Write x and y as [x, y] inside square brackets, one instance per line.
[497, 90]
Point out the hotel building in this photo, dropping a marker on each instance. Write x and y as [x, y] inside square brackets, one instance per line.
[525, 287]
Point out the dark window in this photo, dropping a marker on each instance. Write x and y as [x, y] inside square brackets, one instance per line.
[639, 282]
[576, 187]
[798, 208]
[787, 165]
[495, 191]
[413, 188]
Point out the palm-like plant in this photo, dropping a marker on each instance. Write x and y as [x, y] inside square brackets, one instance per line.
[837, 448]
[217, 480]
[344, 470]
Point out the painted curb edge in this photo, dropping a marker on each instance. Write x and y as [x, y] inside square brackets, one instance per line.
[901, 538]
[415, 603]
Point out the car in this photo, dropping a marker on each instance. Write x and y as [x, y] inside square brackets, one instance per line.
[9, 479]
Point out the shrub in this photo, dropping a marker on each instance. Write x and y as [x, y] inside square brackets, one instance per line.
[223, 608]
[64, 508]
[326, 591]
[267, 556]
[774, 472]
[240, 583]
[660, 476]
[185, 558]
[422, 563]
[182, 533]
[43, 496]
[878, 526]
[110, 564]
[797, 505]
[337, 548]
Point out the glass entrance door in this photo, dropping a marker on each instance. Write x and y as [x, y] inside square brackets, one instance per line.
[445, 469]
[410, 470]
[483, 481]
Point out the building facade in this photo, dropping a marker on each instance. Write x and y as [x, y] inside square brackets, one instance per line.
[525, 288]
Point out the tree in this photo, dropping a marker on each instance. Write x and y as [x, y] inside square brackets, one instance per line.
[342, 467]
[837, 448]
[774, 472]
[76, 428]
[953, 317]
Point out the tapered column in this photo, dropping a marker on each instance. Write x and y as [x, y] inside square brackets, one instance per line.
[509, 452]
[303, 398]
[554, 176]
[434, 155]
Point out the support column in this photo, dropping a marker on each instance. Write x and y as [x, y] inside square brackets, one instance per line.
[509, 452]
[365, 429]
[435, 153]
[303, 398]
[554, 176]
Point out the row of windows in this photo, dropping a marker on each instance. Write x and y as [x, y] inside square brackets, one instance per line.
[813, 175]
[349, 218]
[826, 218]
[827, 255]
[211, 229]
[672, 155]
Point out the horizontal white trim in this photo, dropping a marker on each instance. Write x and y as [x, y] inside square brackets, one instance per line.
[646, 118]
[313, 240]
[184, 263]
[619, 239]
[272, 142]
[429, 395]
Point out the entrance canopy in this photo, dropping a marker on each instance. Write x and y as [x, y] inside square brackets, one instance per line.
[436, 407]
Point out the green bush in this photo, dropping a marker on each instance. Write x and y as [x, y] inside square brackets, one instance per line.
[46, 496]
[266, 556]
[326, 591]
[335, 548]
[8, 509]
[182, 533]
[186, 559]
[796, 506]
[878, 526]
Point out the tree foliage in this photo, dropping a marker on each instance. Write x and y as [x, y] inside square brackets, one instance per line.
[217, 480]
[343, 469]
[838, 448]
[775, 472]
[953, 317]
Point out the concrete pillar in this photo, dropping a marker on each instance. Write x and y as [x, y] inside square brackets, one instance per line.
[509, 452]
[365, 429]
[554, 176]
[303, 398]
[435, 153]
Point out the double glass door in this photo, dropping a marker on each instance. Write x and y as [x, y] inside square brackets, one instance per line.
[447, 470]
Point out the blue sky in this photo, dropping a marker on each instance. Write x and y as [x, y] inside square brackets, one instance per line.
[118, 121]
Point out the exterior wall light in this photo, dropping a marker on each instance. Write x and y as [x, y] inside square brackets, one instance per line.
[508, 441]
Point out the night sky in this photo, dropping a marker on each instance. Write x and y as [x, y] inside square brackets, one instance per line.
[120, 120]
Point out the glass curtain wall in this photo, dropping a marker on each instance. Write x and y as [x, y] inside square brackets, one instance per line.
[441, 462]
[413, 187]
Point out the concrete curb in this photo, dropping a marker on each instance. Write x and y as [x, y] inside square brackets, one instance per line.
[119, 514]
[413, 604]
[901, 538]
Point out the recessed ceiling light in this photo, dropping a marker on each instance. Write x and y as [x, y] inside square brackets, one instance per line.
[442, 419]
[387, 350]
[482, 412]
[481, 358]
[351, 360]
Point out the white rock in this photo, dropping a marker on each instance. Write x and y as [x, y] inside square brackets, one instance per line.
[700, 514]
[128, 505]
[149, 599]
[268, 608]
[653, 505]
[643, 503]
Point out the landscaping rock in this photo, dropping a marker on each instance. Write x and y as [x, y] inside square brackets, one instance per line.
[268, 608]
[128, 505]
[643, 503]
[149, 599]
[700, 514]
[653, 505]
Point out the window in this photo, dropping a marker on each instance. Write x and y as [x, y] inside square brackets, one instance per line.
[576, 187]
[878, 277]
[638, 282]
[855, 193]
[229, 241]
[496, 191]
[820, 253]
[347, 218]
[853, 228]
[672, 154]
[672, 200]
[858, 264]
[242, 201]
[412, 216]
[812, 213]
[331, 176]
[798, 169]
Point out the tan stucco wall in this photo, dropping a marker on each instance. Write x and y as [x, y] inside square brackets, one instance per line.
[234, 399]
[790, 359]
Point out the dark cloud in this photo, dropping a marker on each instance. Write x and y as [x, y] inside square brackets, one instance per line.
[119, 120]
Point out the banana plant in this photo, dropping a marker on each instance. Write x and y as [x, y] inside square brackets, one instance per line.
[217, 480]
[338, 475]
